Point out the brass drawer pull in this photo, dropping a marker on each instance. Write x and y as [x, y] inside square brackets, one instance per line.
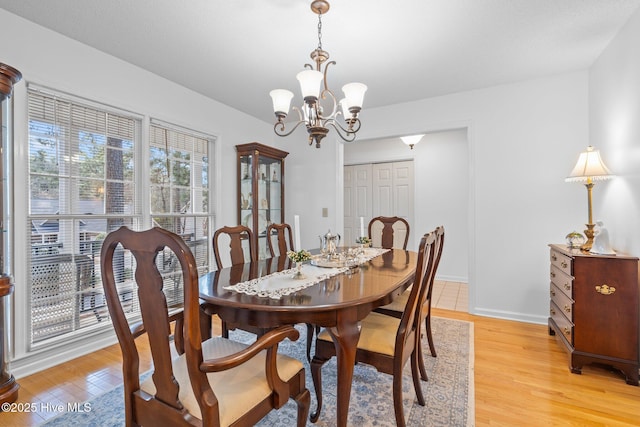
[567, 308]
[553, 293]
[567, 287]
[605, 289]
[553, 274]
[554, 257]
[564, 264]
[552, 311]
[567, 331]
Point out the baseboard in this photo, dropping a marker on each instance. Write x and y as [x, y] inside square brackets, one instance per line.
[447, 278]
[509, 315]
[36, 362]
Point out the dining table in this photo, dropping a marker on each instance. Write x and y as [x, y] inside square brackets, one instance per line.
[337, 303]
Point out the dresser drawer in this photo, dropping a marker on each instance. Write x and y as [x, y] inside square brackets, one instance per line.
[562, 261]
[563, 281]
[565, 327]
[562, 301]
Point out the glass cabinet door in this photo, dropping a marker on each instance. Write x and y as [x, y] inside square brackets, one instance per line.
[260, 190]
[246, 191]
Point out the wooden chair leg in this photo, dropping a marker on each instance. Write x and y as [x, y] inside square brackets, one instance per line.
[310, 335]
[303, 400]
[416, 357]
[432, 347]
[397, 399]
[316, 374]
[225, 330]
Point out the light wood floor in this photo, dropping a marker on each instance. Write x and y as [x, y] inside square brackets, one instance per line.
[521, 379]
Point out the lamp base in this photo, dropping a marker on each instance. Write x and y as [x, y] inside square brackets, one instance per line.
[589, 233]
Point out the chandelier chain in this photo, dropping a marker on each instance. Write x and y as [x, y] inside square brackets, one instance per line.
[319, 31]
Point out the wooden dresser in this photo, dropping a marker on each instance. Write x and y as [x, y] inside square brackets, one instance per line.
[594, 309]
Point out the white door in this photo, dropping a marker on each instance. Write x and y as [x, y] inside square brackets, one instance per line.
[390, 189]
[357, 201]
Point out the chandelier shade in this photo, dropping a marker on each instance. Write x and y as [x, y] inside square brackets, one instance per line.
[340, 115]
[281, 100]
[310, 81]
[354, 95]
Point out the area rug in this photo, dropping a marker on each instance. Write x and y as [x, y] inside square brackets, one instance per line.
[449, 393]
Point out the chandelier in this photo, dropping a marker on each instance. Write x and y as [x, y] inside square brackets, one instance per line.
[312, 114]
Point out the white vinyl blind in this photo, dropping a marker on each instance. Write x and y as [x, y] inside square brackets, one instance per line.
[85, 180]
[82, 178]
[179, 176]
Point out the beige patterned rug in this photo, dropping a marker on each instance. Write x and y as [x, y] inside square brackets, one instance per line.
[449, 393]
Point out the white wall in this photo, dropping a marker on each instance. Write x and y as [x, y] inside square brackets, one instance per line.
[614, 118]
[442, 158]
[521, 141]
[49, 59]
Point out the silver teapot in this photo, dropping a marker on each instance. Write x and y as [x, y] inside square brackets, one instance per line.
[329, 244]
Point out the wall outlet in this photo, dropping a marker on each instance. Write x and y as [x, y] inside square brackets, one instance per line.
[325, 212]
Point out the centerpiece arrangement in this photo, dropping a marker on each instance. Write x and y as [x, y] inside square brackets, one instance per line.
[364, 242]
[299, 258]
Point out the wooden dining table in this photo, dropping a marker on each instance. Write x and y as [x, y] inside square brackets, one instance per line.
[337, 303]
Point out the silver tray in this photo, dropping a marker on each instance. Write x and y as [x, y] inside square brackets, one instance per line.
[321, 261]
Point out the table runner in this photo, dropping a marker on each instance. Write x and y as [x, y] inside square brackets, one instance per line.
[281, 283]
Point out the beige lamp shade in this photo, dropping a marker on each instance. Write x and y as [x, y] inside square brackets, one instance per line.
[589, 166]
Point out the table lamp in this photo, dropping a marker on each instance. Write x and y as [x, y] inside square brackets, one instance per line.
[589, 168]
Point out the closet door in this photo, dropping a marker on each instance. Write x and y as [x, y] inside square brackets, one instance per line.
[357, 201]
[393, 189]
[380, 189]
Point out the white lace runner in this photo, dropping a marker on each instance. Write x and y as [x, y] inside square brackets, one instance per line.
[277, 285]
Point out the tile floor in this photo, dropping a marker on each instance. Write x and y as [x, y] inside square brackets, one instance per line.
[450, 296]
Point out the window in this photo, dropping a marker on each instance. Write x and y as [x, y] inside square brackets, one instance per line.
[85, 181]
[179, 190]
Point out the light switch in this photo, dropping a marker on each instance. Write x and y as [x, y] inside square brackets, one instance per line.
[325, 212]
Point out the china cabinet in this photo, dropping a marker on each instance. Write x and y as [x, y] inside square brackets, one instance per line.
[260, 190]
[8, 77]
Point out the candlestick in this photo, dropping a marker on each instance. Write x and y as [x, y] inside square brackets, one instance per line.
[296, 232]
[361, 226]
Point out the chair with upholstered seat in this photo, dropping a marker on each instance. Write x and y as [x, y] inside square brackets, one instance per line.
[386, 342]
[282, 235]
[237, 237]
[216, 382]
[397, 306]
[389, 232]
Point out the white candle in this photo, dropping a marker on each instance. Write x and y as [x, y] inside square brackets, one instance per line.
[361, 226]
[296, 232]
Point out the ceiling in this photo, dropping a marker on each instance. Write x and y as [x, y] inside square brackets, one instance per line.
[403, 50]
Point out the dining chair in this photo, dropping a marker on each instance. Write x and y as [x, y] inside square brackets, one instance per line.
[212, 382]
[386, 342]
[237, 236]
[396, 307]
[389, 232]
[284, 239]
